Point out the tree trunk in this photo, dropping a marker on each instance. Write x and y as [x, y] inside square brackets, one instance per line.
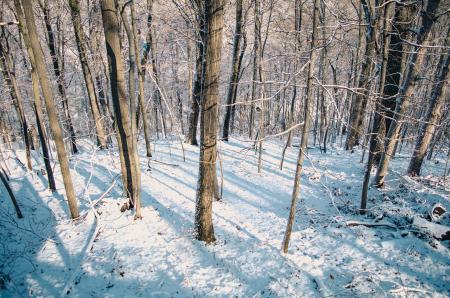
[197, 93]
[359, 105]
[406, 89]
[374, 137]
[306, 128]
[121, 110]
[401, 24]
[37, 99]
[10, 79]
[209, 121]
[435, 109]
[59, 76]
[50, 105]
[256, 62]
[81, 41]
[235, 70]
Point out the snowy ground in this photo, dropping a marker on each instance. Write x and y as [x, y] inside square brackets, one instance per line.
[108, 254]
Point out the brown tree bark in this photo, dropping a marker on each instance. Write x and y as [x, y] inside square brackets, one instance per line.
[81, 41]
[433, 115]
[16, 96]
[197, 93]
[406, 89]
[50, 105]
[209, 121]
[43, 139]
[59, 74]
[120, 102]
[358, 111]
[306, 128]
[235, 70]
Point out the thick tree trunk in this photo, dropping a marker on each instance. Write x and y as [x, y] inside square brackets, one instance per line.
[209, 121]
[406, 89]
[435, 109]
[401, 24]
[50, 105]
[81, 41]
[306, 128]
[120, 102]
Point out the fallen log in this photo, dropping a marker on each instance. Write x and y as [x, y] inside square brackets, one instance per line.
[437, 231]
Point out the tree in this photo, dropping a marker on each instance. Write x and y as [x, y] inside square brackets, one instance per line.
[433, 115]
[80, 38]
[235, 69]
[43, 139]
[125, 136]
[359, 104]
[59, 74]
[410, 77]
[209, 120]
[10, 78]
[50, 105]
[306, 127]
[197, 92]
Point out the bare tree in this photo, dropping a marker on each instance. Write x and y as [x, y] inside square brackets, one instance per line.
[120, 102]
[50, 105]
[306, 127]
[209, 121]
[80, 38]
[433, 115]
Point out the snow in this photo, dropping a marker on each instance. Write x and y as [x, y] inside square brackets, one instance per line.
[46, 254]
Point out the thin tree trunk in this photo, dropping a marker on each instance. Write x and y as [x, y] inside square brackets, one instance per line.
[59, 74]
[10, 79]
[235, 70]
[197, 93]
[37, 99]
[357, 114]
[306, 128]
[81, 41]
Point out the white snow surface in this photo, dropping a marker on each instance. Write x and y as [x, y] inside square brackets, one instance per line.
[46, 254]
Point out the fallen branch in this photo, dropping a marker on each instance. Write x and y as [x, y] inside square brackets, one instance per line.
[11, 195]
[352, 223]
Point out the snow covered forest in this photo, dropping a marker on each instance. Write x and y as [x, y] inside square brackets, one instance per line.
[226, 148]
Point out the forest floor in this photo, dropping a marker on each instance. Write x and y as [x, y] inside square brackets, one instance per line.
[108, 254]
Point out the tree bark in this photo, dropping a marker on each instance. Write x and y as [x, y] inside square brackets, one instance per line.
[235, 70]
[50, 105]
[209, 121]
[59, 76]
[406, 89]
[81, 41]
[120, 102]
[37, 99]
[306, 128]
[434, 113]
[10, 79]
